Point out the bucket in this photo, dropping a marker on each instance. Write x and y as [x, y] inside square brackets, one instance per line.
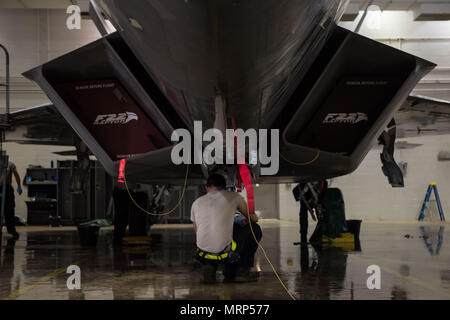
[354, 227]
[88, 235]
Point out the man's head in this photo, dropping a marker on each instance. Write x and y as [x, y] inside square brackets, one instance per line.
[215, 182]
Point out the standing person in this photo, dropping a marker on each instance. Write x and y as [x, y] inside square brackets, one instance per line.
[309, 196]
[213, 218]
[126, 213]
[122, 203]
[303, 194]
[137, 221]
[9, 198]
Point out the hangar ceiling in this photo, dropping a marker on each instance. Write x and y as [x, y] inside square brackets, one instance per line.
[424, 10]
[417, 37]
[42, 4]
[397, 4]
[35, 4]
[422, 32]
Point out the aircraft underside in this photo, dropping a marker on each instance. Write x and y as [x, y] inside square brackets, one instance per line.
[286, 65]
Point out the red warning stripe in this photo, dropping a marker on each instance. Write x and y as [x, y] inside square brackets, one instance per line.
[246, 177]
[121, 169]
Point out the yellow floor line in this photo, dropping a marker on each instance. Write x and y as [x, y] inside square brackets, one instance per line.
[17, 293]
[417, 282]
[412, 279]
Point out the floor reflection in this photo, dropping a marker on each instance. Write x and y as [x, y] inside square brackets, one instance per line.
[398, 293]
[165, 269]
[433, 236]
[7, 269]
[323, 269]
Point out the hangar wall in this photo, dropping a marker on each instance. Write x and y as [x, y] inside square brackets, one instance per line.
[267, 201]
[34, 36]
[46, 37]
[369, 196]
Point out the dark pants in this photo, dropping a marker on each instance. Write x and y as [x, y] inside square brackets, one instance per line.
[122, 204]
[9, 208]
[303, 221]
[138, 219]
[246, 247]
[126, 213]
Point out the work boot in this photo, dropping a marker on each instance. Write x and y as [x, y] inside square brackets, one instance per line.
[228, 277]
[229, 272]
[209, 273]
[245, 275]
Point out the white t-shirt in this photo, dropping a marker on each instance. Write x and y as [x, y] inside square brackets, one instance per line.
[214, 215]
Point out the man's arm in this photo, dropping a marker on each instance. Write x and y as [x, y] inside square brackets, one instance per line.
[243, 209]
[17, 177]
[193, 216]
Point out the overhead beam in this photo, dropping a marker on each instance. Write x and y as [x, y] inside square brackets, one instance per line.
[34, 4]
[432, 12]
[352, 12]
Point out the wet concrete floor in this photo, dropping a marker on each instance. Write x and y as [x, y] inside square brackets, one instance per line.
[414, 260]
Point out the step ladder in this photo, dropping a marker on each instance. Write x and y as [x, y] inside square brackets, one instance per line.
[431, 187]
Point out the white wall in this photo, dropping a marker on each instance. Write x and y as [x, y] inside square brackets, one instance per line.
[266, 201]
[34, 36]
[369, 196]
[289, 208]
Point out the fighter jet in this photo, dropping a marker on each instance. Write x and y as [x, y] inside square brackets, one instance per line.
[273, 64]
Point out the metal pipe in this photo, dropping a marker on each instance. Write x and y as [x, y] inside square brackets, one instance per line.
[96, 15]
[4, 157]
[7, 82]
[363, 17]
[4, 170]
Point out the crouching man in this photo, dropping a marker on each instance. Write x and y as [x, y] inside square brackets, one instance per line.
[213, 216]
